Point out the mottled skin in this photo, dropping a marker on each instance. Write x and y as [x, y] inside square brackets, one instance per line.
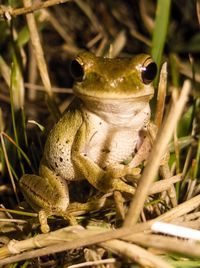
[97, 134]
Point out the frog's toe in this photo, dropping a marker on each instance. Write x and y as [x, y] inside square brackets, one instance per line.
[119, 171]
[69, 217]
[119, 185]
[43, 215]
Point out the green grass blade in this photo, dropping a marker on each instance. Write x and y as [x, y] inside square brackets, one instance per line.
[14, 86]
[160, 30]
[196, 167]
[18, 148]
[8, 166]
[24, 126]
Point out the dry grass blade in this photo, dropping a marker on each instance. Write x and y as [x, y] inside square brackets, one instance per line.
[163, 185]
[156, 154]
[32, 72]
[180, 210]
[85, 7]
[117, 45]
[148, 21]
[2, 125]
[16, 87]
[166, 174]
[5, 71]
[38, 52]
[170, 244]
[93, 263]
[161, 95]
[65, 234]
[198, 10]
[61, 30]
[41, 88]
[136, 253]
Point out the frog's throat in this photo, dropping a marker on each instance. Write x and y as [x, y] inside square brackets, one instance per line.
[120, 113]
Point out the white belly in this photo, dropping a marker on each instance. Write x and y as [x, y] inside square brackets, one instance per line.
[108, 144]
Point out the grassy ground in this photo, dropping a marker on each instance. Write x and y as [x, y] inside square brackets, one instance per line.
[35, 88]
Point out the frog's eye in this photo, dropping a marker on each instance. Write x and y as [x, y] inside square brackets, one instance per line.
[77, 70]
[149, 71]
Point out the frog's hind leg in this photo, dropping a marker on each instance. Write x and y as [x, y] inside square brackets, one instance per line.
[40, 193]
[47, 192]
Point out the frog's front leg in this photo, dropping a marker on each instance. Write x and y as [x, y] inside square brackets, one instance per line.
[46, 193]
[103, 180]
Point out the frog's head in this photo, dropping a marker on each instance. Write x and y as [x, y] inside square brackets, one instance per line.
[106, 79]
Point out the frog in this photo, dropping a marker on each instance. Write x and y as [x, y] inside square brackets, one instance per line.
[99, 133]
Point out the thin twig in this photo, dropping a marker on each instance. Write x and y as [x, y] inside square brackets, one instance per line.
[13, 220]
[54, 89]
[156, 154]
[166, 174]
[188, 217]
[93, 263]
[29, 9]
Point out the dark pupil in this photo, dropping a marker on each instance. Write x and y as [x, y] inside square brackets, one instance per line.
[149, 73]
[77, 70]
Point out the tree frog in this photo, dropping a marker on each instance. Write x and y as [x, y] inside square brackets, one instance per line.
[100, 130]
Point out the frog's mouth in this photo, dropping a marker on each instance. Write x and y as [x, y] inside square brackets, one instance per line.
[114, 98]
[109, 94]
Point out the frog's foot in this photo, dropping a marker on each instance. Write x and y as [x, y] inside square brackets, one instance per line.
[45, 213]
[76, 208]
[118, 185]
[112, 179]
